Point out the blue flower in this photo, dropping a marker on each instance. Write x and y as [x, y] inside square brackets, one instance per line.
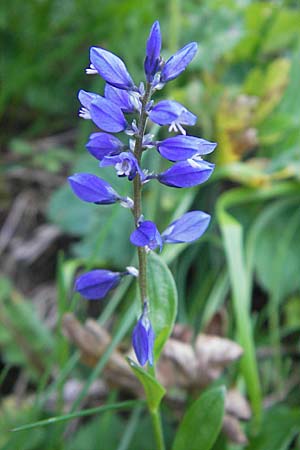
[186, 173]
[104, 144]
[92, 189]
[178, 62]
[187, 228]
[107, 115]
[146, 235]
[125, 164]
[143, 338]
[180, 148]
[169, 112]
[86, 99]
[120, 97]
[96, 284]
[152, 60]
[111, 68]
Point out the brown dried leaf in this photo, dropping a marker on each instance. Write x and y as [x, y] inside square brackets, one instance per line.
[236, 405]
[213, 354]
[234, 431]
[92, 341]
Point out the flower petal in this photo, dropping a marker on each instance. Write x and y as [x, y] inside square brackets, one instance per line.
[140, 343]
[92, 189]
[95, 284]
[125, 163]
[111, 68]
[152, 60]
[143, 338]
[186, 173]
[107, 115]
[179, 148]
[103, 144]
[119, 97]
[86, 98]
[168, 111]
[178, 62]
[187, 228]
[146, 234]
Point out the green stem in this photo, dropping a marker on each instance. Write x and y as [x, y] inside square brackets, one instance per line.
[137, 196]
[156, 422]
[142, 256]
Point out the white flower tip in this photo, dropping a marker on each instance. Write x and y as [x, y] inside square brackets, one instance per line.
[127, 202]
[84, 113]
[132, 271]
[91, 70]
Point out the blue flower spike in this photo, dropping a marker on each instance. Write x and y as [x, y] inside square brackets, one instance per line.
[111, 68]
[143, 338]
[153, 48]
[110, 113]
[178, 62]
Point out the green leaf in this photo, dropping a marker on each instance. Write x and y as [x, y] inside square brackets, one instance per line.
[163, 300]
[153, 389]
[202, 422]
[279, 427]
[85, 412]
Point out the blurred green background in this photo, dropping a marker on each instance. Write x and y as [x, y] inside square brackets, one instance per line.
[243, 274]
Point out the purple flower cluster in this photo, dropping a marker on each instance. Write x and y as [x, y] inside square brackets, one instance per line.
[110, 114]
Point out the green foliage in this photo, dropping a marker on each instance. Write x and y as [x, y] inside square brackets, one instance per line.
[153, 389]
[279, 427]
[202, 422]
[163, 294]
[244, 87]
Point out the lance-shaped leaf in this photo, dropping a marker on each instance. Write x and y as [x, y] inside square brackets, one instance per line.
[187, 228]
[178, 62]
[104, 144]
[163, 300]
[120, 97]
[111, 68]
[92, 189]
[154, 391]
[180, 148]
[202, 422]
[146, 235]
[186, 173]
[107, 115]
[96, 284]
[152, 60]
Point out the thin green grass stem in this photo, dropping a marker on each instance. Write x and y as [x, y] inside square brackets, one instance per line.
[158, 432]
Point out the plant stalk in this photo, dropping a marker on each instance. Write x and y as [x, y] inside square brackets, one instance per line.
[156, 422]
[142, 255]
[137, 196]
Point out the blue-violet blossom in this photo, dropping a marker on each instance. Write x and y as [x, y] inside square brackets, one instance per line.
[127, 108]
[143, 338]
